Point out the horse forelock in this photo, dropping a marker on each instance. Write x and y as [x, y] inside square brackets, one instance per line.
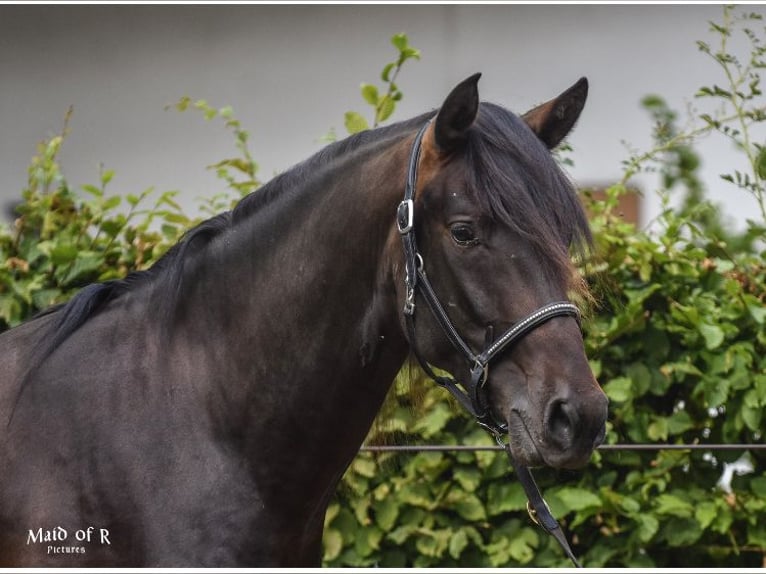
[522, 186]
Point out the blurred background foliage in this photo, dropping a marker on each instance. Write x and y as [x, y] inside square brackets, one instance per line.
[676, 337]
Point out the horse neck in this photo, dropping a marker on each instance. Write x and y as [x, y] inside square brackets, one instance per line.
[297, 313]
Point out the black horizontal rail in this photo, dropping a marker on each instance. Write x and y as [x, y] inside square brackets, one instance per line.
[603, 447]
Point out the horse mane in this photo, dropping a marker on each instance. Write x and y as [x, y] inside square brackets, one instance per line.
[508, 173]
[93, 298]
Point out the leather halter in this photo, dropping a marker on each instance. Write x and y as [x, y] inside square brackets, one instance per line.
[473, 395]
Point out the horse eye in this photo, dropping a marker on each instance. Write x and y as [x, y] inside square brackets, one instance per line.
[463, 234]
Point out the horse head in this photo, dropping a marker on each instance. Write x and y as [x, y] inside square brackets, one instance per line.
[493, 221]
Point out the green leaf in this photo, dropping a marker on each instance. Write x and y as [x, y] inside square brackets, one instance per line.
[673, 505]
[364, 466]
[522, 546]
[630, 505]
[171, 217]
[332, 542]
[386, 512]
[400, 41]
[332, 511]
[757, 310]
[758, 486]
[361, 508]
[619, 389]
[760, 163]
[575, 499]
[112, 202]
[84, 268]
[409, 52]
[385, 75]
[367, 540]
[658, 429]
[242, 165]
[470, 507]
[682, 532]
[63, 253]
[401, 534]
[679, 422]
[167, 199]
[416, 494]
[183, 104]
[433, 542]
[434, 421]
[640, 377]
[370, 94]
[355, 122]
[457, 543]
[92, 190]
[385, 109]
[752, 417]
[705, 513]
[647, 526]
[170, 231]
[504, 497]
[106, 176]
[46, 297]
[712, 334]
[111, 227]
[653, 101]
[469, 478]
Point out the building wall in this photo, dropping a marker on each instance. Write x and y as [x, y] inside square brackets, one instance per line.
[290, 72]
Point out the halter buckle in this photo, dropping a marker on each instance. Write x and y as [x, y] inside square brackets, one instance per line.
[409, 302]
[533, 514]
[480, 372]
[405, 216]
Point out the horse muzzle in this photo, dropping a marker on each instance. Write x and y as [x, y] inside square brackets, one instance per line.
[572, 426]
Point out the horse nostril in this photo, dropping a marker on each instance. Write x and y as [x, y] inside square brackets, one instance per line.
[562, 423]
[599, 440]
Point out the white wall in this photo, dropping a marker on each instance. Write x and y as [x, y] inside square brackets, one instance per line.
[292, 71]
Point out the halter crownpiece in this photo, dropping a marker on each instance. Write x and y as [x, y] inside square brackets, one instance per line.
[473, 395]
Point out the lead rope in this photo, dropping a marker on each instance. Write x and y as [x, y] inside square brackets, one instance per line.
[537, 508]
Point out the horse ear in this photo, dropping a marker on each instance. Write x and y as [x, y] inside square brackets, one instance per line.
[457, 114]
[553, 120]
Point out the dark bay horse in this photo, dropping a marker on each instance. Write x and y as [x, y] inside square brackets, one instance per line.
[202, 412]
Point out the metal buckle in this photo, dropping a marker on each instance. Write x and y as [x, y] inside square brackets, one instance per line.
[533, 514]
[405, 215]
[409, 302]
[484, 372]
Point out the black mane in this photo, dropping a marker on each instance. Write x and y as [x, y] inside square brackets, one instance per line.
[170, 267]
[514, 174]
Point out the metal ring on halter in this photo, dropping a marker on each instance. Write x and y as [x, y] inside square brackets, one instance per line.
[484, 373]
